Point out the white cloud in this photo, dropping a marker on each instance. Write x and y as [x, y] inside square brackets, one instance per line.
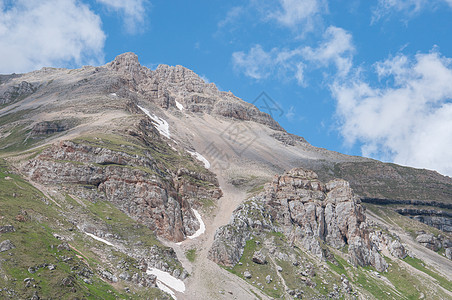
[410, 7]
[337, 48]
[293, 13]
[256, 64]
[133, 11]
[34, 34]
[232, 16]
[260, 64]
[299, 74]
[290, 115]
[408, 122]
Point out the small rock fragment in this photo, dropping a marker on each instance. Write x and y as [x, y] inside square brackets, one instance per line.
[259, 258]
[64, 246]
[6, 245]
[67, 281]
[268, 279]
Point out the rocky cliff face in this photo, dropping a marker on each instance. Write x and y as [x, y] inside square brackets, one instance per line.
[384, 182]
[309, 213]
[14, 93]
[134, 181]
[440, 219]
[167, 84]
[51, 127]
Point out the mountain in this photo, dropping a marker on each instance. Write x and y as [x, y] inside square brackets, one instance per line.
[123, 182]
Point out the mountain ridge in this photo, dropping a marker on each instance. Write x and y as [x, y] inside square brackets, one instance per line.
[121, 152]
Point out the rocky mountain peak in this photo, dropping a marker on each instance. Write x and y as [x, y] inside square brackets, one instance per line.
[128, 61]
[168, 85]
[176, 79]
[178, 73]
[129, 67]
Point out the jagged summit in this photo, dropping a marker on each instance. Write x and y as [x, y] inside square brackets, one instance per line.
[126, 62]
[129, 63]
[177, 78]
[168, 84]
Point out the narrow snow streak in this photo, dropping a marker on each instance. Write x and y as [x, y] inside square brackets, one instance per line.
[99, 239]
[202, 227]
[179, 105]
[200, 158]
[166, 289]
[160, 124]
[165, 281]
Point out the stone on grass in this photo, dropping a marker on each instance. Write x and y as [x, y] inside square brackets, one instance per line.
[6, 245]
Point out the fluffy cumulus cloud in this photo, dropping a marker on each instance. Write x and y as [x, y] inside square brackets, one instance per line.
[409, 119]
[133, 12]
[255, 64]
[34, 34]
[336, 48]
[260, 64]
[295, 13]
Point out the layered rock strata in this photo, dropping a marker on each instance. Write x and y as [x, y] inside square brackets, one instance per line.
[308, 212]
[138, 185]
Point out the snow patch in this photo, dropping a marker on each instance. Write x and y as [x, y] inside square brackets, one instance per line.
[160, 124]
[166, 289]
[200, 158]
[167, 282]
[99, 239]
[179, 105]
[202, 227]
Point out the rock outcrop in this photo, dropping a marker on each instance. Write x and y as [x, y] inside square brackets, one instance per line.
[433, 242]
[17, 92]
[440, 219]
[308, 212]
[136, 183]
[51, 127]
[390, 242]
[429, 241]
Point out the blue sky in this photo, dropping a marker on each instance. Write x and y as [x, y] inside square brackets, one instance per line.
[370, 78]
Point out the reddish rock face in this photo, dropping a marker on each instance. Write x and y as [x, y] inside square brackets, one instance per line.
[135, 184]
